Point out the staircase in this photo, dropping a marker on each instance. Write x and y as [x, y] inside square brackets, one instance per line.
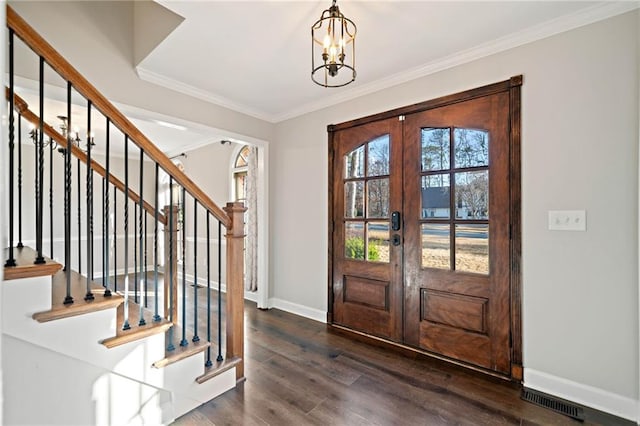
[110, 317]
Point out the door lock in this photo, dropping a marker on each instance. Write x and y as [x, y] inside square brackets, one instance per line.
[395, 240]
[395, 221]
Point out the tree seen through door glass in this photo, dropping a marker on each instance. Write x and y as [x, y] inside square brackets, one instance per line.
[435, 149]
[354, 163]
[378, 156]
[472, 195]
[378, 198]
[471, 148]
[354, 199]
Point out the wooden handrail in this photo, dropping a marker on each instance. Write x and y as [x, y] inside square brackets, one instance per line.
[23, 108]
[42, 48]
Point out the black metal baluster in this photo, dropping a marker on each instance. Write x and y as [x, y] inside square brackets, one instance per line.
[67, 204]
[126, 325]
[170, 346]
[184, 341]
[11, 261]
[51, 198]
[195, 338]
[135, 253]
[40, 171]
[144, 264]
[105, 217]
[89, 195]
[141, 229]
[219, 358]
[208, 363]
[156, 316]
[79, 220]
[20, 245]
[107, 251]
[115, 239]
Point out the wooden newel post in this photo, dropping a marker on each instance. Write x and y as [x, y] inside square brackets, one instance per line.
[235, 285]
[171, 245]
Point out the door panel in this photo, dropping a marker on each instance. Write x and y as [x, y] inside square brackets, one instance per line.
[367, 275]
[457, 242]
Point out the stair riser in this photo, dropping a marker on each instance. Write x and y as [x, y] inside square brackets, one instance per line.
[96, 396]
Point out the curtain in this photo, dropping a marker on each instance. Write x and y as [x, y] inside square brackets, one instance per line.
[251, 248]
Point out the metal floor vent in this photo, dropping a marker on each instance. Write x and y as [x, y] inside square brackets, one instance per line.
[553, 403]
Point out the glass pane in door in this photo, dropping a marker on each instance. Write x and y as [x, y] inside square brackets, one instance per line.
[378, 157]
[354, 240]
[435, 197]
[378, 241]
[436, 246]
[354, 163]
[471, 148]
[354, 199]
[435, 149]
[472, 195]
[472, 248]
[378, 198]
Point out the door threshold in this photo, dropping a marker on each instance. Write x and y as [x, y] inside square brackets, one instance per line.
[410, 350]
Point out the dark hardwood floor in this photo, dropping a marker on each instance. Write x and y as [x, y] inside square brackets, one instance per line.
[299, 372]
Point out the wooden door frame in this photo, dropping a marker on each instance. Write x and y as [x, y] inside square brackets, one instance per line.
[513, 87]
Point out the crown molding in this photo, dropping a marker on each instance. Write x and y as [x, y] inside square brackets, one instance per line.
[180, 87]
[541, 31]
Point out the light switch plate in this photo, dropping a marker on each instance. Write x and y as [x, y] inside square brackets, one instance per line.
[567, 220]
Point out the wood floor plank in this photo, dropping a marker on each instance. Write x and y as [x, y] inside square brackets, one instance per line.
[335, 412]
[301, 373]
[284, 388]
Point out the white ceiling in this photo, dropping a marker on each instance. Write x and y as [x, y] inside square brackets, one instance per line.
[255, 56]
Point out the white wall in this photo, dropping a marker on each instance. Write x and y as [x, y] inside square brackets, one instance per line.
[579, 150]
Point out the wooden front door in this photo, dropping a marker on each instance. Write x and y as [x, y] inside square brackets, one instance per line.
[422, 226]
[456, 207]
[367, 189]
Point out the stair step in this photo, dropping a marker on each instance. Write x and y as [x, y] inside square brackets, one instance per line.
[136, 332]
[180, 352]
[25, 268]
[218, 368]
[78, 291]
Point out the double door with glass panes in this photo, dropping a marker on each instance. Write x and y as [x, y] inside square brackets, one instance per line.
[420, 241]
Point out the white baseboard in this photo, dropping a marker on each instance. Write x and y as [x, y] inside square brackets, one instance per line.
[590, 396]
[251, 295]
[301, 310]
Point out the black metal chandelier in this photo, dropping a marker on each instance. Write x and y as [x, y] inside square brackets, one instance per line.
[333, 49]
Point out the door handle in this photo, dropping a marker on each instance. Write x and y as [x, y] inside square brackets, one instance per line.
[395, 221]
